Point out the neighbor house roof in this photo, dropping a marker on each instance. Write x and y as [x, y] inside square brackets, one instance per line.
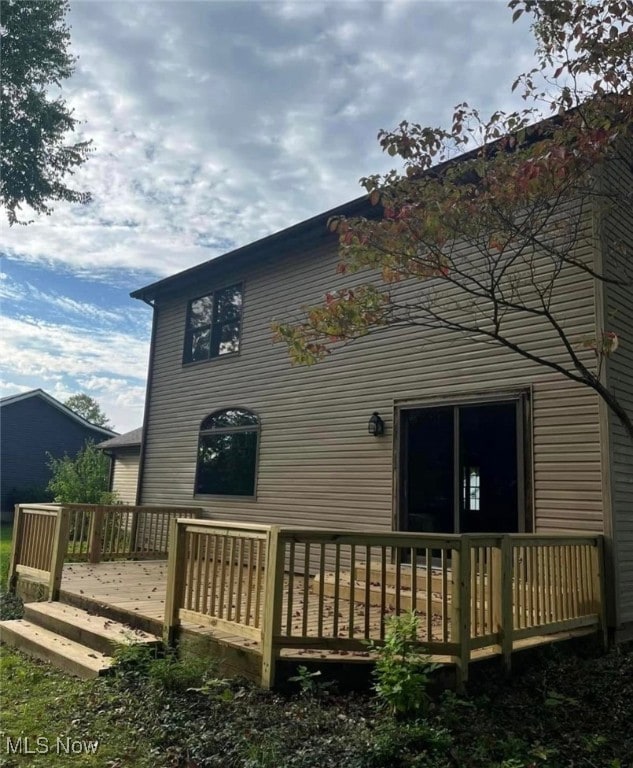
[127, 440]
[39, 393]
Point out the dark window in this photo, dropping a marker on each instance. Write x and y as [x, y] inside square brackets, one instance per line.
[213, 324]
[227, 453]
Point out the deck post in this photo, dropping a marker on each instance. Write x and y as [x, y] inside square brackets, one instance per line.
[94, 535]
[506, 615]
[601, 591]
[273, 597]
[461, 608]
[16, 547]
[58, 555]
[176, 556]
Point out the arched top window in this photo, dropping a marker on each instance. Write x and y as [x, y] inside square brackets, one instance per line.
[227, 453]
[230, 418]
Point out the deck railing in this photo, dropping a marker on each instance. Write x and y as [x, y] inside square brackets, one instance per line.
[332, 591]
[37, 552]
[216, 577]
[47, 535]
[121, 531]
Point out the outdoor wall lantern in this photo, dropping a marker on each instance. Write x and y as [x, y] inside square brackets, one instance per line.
[376, 426]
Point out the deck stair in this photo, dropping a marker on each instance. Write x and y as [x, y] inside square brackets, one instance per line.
[386, 583]
[70, 638]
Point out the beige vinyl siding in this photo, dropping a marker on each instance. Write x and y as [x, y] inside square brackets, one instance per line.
[125, 475]
[317, 464]
[618, 231]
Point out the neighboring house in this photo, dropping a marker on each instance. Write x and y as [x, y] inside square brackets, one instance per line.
[476, 438]
[33, 425]
[124, 452]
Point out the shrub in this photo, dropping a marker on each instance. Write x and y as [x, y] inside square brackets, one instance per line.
[82, 480]
[402, 670]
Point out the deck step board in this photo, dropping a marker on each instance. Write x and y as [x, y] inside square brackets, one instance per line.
[406, 575]
[48, 646]
[97, 632]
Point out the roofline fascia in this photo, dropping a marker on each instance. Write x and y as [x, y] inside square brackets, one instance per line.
[152, 290]
[534, 131]
[60, 407]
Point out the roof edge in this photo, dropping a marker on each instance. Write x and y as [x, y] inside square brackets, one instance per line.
[10, 399]
[319, 220]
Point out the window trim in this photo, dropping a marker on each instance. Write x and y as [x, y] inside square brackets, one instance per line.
[224, 430]
[185, 361]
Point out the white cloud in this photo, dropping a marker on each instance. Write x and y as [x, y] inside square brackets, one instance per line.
[223, 122]
[215, 124]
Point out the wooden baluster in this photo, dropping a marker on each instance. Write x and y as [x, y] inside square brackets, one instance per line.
[207, 565]
[306, 586]
[321, 590]
[258, 582]
[383, 590]
[367, 606]
[95, 535]
[337, 586]
[240, 579]
[290, 598]
[249, 584]
[214, 575]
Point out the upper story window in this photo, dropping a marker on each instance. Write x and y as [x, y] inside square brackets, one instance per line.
[227, 453]
[213, 324]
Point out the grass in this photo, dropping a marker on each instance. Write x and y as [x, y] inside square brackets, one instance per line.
[38, 701]
[6, 532]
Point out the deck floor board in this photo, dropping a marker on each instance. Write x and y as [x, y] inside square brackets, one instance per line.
[139, 588]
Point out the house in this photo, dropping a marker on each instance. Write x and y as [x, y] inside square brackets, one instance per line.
[124, 452]
[33, 425]
[475, 438]
[287, 513]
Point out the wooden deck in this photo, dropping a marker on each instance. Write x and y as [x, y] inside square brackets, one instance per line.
[135, 592]
[136, 589]
[268, 592]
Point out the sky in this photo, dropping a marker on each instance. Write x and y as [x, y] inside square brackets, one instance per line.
[215, 124]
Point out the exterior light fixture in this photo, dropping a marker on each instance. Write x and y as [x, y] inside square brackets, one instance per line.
[376, 426]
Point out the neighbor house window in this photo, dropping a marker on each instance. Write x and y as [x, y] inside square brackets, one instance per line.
[227, 453]
[213, 324]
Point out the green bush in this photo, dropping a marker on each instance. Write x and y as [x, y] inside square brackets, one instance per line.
[82, 480]
[402, 670]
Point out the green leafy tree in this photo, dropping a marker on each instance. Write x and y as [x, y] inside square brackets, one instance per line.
[82, 480]
[35, 121]
[493, 235]
[88, 408]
